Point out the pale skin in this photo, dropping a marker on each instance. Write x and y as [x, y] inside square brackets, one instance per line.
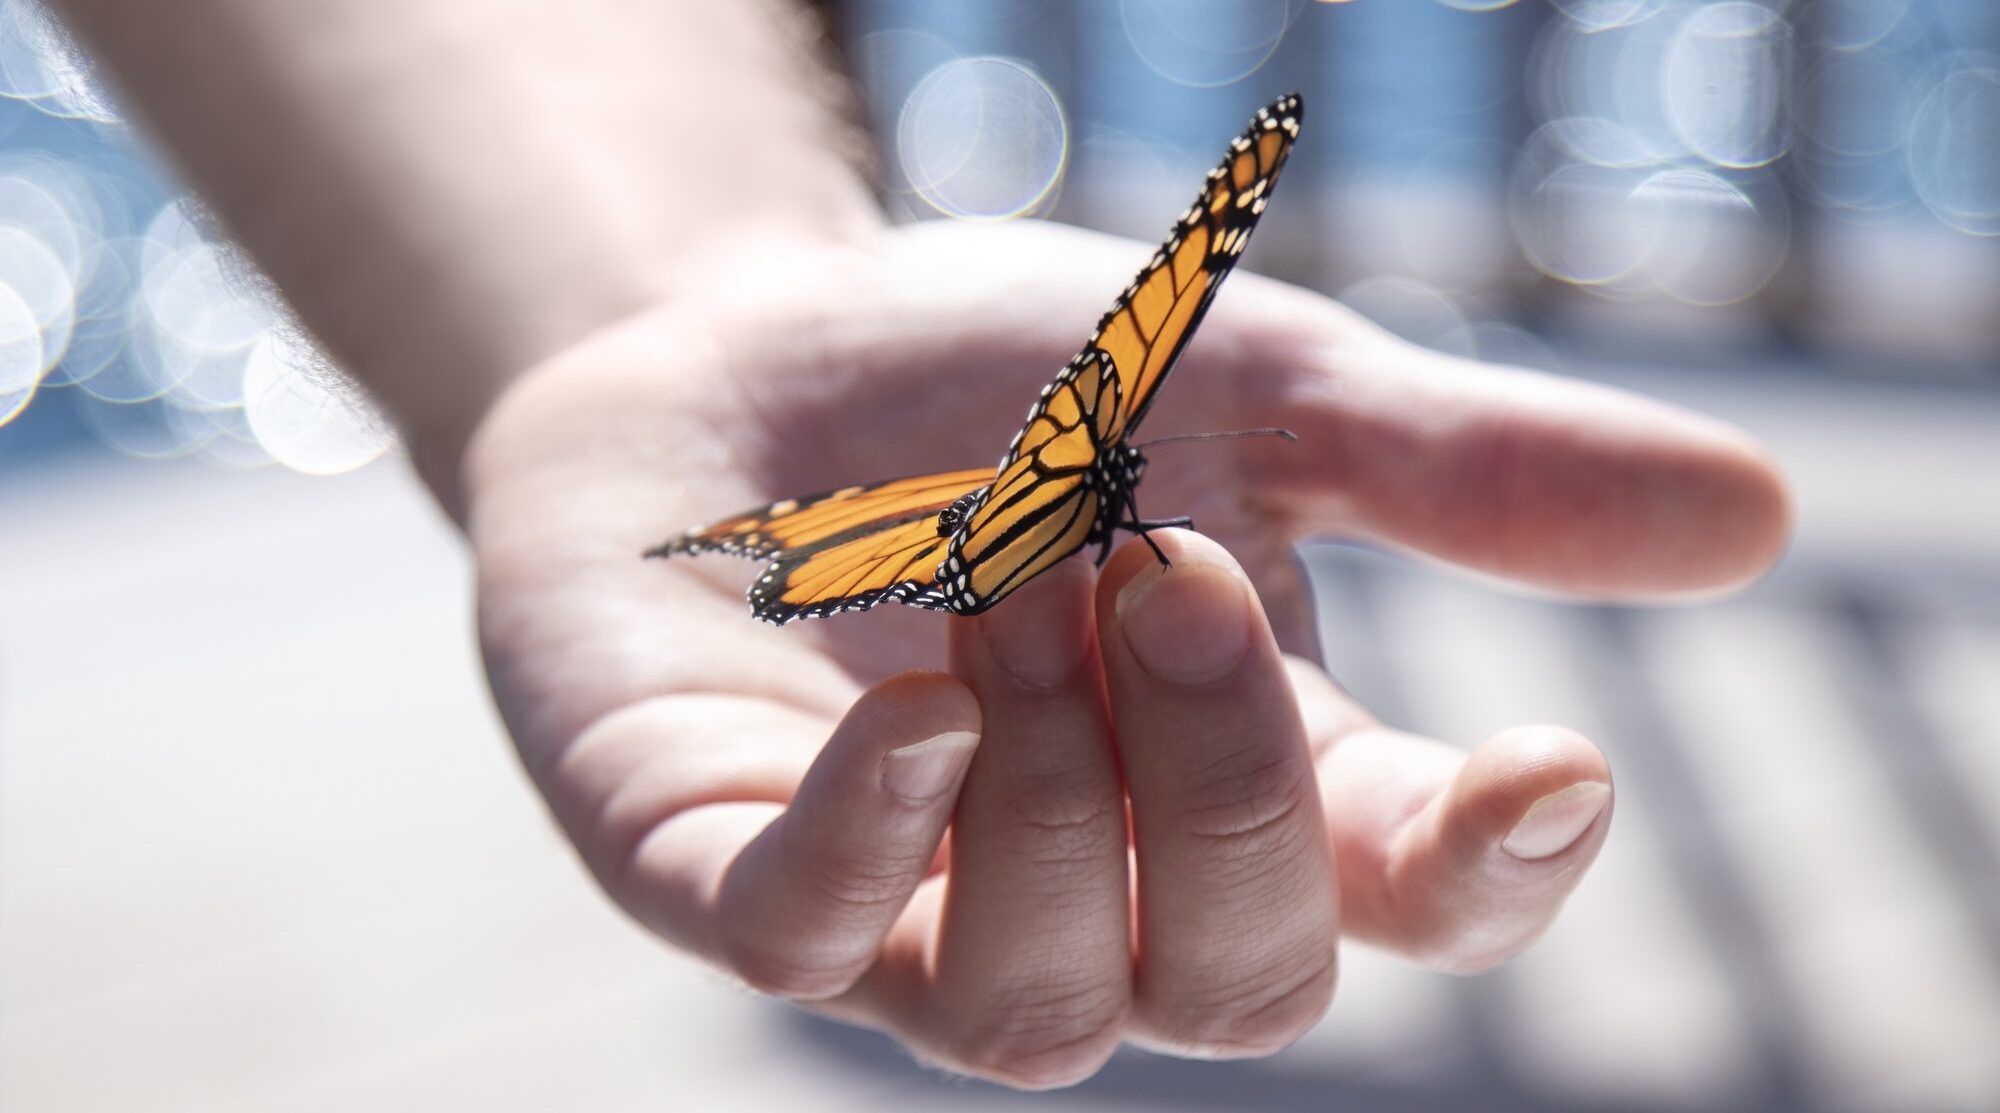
[583, 381]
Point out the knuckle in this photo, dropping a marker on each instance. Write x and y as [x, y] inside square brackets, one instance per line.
[1246, 807]
[847, 888]
[794, 970]
[1254, 1018]
[1055, 823]
[1038, 1040]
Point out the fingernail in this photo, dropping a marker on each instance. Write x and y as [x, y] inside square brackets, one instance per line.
[924, 771]
[1041, 633]
[1557, 820]
[1187, 624]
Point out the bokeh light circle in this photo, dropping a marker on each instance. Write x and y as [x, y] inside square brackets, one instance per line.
[21, 359]
[101, 325]
[1954, 147]
[1572, 216]
[1724, 83]
[1614, 74]
[41, 63]
[1858, 104]
[1416, 311]
[1718, 245]
[1499, 342]
[140, 375]
[195, 300]
[232, 443]
[1204, 44]
[38, 197]
[1604, 15]
[38, 277]
[982, 138]
[1854, 25]
[302, 423]
[148, 430]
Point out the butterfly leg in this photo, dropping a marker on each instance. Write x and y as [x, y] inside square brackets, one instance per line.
[1140, 526]
[1143, 526]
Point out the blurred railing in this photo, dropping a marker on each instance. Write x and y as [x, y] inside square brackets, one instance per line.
[1811, 182]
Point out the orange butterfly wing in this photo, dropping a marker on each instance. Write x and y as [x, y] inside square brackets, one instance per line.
[896, 563]
[840, 550]
[1064, 482]
[801, 522]
[1045, 503]
[1147, 328]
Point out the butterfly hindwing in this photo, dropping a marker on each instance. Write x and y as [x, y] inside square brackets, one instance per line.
[1044, 503]
[793, 524]
[896, 563]
[843, 550]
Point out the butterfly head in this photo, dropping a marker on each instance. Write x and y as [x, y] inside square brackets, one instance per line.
[1133, 464]
[953, 516]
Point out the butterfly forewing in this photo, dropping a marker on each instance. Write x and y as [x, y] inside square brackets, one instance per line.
[1146, 330]
[1022, 525]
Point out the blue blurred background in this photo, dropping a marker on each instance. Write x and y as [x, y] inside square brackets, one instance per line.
[1783, 213]
[1803, 184]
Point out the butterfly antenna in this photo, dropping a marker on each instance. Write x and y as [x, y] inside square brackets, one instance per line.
[1271, 431]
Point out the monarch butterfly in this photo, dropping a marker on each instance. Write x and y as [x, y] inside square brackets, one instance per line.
[960, 541]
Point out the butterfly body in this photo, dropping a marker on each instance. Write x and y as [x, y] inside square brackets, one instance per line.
[962, 541]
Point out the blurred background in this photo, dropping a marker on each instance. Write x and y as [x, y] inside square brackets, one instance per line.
[233, 690]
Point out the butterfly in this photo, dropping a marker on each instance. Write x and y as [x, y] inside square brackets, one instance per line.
[961, 541]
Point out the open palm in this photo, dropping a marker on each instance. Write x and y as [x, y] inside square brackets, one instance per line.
[1162, 818]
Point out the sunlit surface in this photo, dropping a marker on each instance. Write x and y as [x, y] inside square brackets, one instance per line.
[982, 139]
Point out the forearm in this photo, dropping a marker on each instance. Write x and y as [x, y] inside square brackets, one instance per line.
[450, 191]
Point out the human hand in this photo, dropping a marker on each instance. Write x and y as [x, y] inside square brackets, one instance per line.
[751, 793]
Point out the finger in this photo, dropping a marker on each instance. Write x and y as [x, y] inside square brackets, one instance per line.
[1549, 481]
[1457, 861]
[1033, 966]
[797, 902]
[1237, 918]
